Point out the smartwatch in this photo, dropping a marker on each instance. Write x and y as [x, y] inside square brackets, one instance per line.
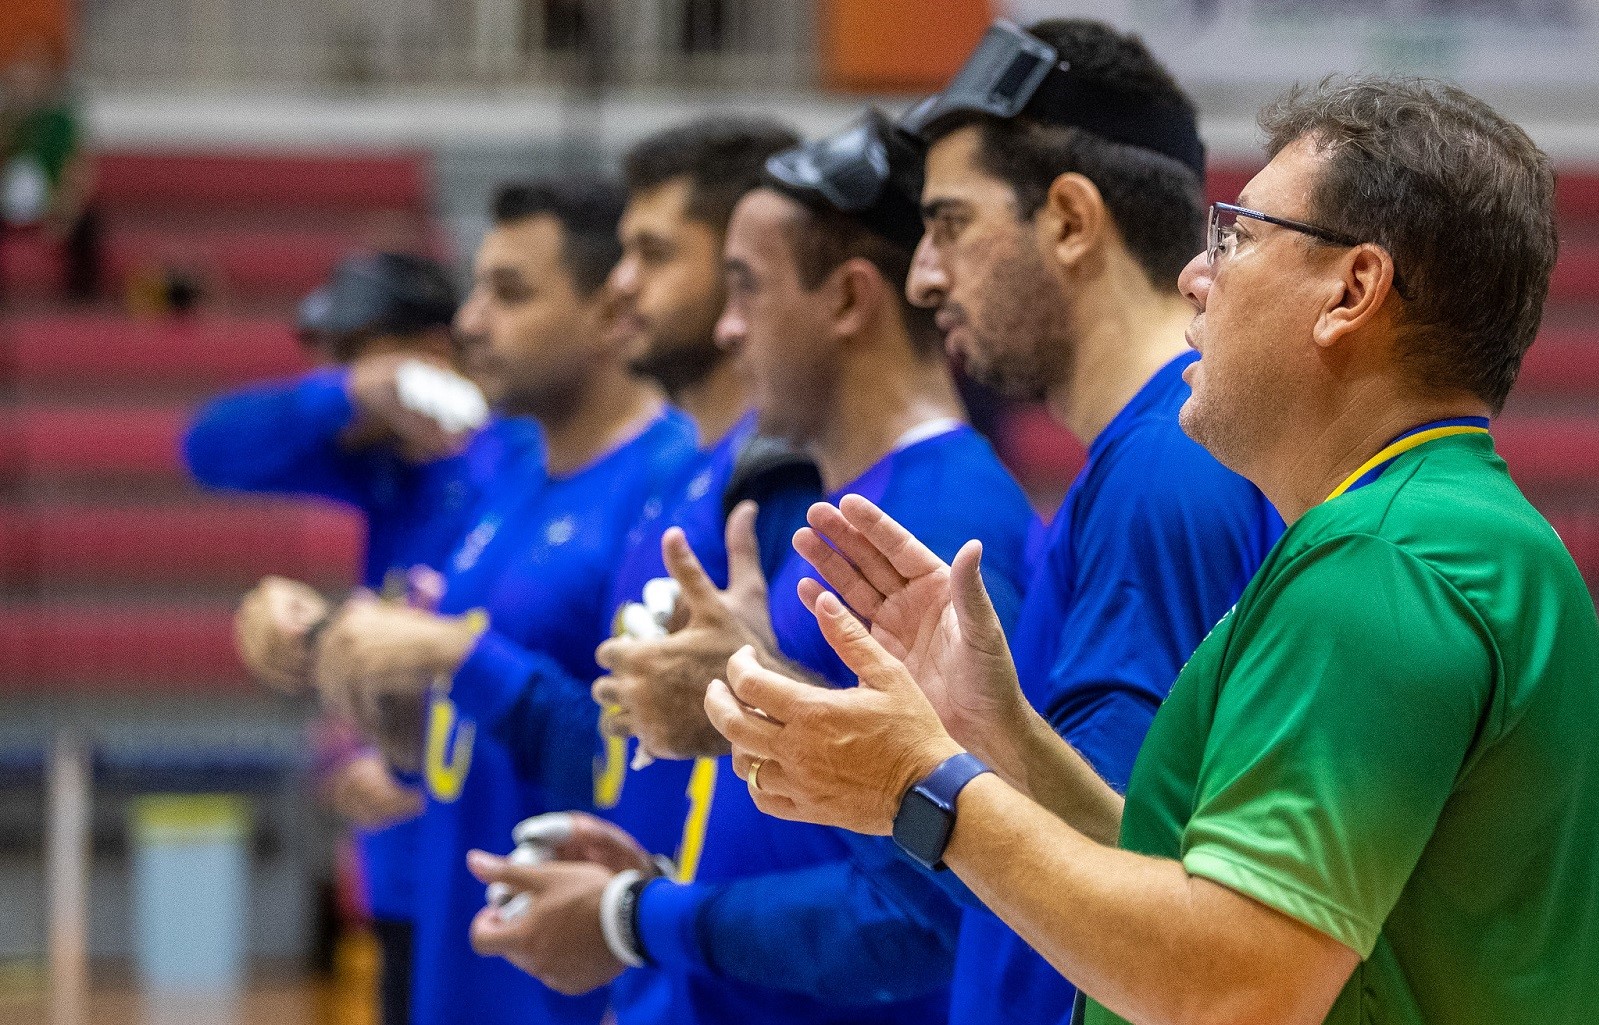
[926, 818]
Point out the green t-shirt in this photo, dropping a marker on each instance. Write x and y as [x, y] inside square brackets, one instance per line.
[1394, 738]
[48, 135]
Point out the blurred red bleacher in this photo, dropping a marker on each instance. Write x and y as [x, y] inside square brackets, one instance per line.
[215, 543]
[247, 225]
[263, 181]
[193, 355]
[117, 573]
[117, 648]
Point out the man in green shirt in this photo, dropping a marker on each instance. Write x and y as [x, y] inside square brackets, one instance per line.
[1373, 794]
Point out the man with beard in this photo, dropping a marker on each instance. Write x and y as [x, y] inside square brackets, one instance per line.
[682, 186]
[785, 923]
[1056, 229]
[525, 593]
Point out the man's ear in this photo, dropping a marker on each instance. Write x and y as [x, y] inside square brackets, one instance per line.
[1361, 289]
[1073, 222]
[858, 292]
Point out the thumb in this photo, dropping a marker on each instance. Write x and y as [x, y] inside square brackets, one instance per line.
[866, 658]
[744, 573]
[974, 609]
[698, 590]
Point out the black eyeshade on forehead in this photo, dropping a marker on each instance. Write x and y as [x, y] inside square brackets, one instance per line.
[1014, 76]
[1013, 73]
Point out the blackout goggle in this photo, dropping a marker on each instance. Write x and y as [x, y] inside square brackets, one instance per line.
[1012, 71]
[871, 169]
[371, 294]
[849, 170]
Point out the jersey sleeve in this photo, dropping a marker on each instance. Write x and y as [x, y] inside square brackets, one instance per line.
[1166, 541]
[278, 438]
[1350, 697]
[862, 930]
[545, 715]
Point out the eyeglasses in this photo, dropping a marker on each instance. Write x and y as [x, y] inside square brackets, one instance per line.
[1222, 236]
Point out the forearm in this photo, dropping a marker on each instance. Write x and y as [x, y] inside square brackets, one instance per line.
[1140, 935]
[543, 713]
[1035, 761]
[274, 438]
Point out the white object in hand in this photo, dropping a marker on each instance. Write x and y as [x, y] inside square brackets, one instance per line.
[513, 903]
[454, 402]
[660, 597]
[639, 624]
[536, 839]
[646, 620]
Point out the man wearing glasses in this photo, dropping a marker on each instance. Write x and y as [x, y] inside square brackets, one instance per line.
[1373, 792]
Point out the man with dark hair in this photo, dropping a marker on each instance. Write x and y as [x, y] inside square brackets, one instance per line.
[1052, 225]
[524, 595]
[346, 432]
[774, 922]
[1372, 793]
[683, 183]
[682, 186]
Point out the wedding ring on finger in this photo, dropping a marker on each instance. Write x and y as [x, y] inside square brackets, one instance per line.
[755, 773]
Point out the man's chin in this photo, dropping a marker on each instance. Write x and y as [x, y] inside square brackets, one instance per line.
[1012, 385]
[493, 388]
[677, 368]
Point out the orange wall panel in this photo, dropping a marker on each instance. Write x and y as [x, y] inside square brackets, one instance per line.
[30, 22]
[897, 45]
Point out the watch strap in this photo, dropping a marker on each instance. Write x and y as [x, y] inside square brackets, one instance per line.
[939, 791]
[945, 783]
[619, 917]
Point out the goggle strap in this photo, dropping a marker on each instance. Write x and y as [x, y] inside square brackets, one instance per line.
[1119, 116]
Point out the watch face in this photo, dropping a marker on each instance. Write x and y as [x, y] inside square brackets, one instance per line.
[922, 828]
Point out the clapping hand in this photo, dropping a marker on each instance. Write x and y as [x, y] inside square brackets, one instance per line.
[933, 617]
[655, 689]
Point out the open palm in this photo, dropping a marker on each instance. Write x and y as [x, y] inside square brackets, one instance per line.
[934, 617]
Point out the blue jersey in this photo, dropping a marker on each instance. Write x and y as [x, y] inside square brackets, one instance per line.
[514, 733]
[1153, 544]
[285, 438]
[789, 922]
[654, 804]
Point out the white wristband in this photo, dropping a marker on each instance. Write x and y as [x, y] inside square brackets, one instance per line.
[618, 933]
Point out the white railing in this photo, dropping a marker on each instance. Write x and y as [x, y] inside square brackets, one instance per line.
[418, 43]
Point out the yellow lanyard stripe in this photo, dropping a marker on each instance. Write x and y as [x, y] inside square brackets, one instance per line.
[1399, 448]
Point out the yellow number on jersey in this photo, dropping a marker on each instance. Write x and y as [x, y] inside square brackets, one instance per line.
[447, 763]
[701, 788]
[610, 773]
